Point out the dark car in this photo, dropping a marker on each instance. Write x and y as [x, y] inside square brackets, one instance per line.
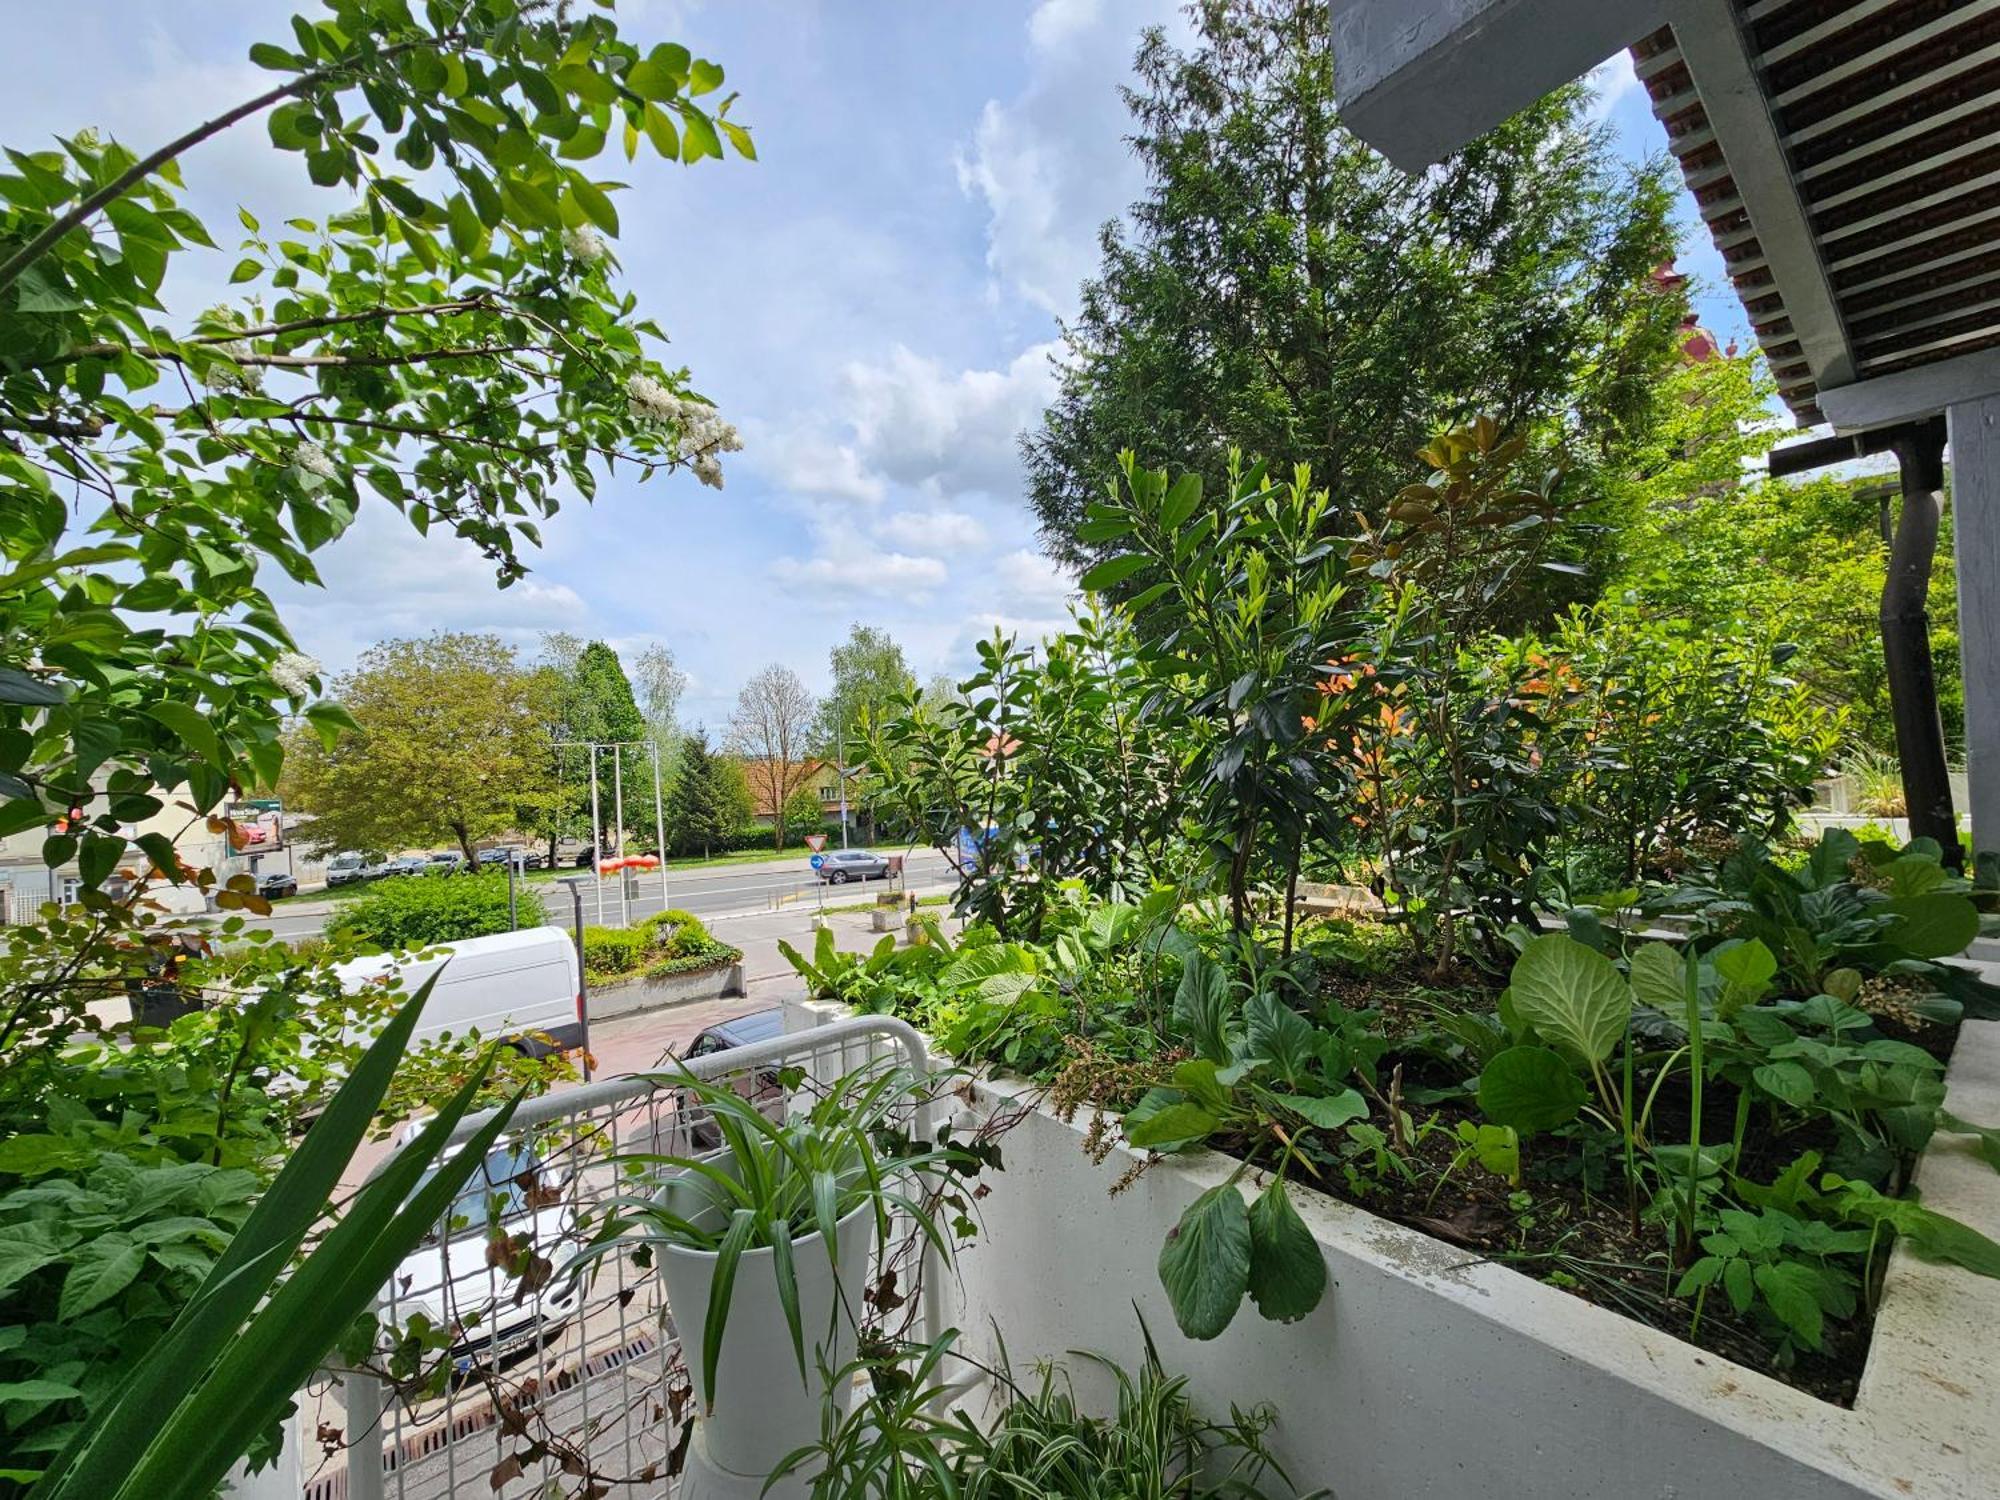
[763, 1086]
[587, 858]
[277, 883]
[533, 859]
[445, 864]
[843, 865]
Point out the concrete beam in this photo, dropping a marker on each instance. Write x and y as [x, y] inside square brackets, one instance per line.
[1418, 79]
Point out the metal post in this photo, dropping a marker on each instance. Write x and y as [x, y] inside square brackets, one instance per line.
[618, 831]
[596, 840]
[574, 882]
[840, 775]
[659, 823]
[513, 903]
[1906, 639]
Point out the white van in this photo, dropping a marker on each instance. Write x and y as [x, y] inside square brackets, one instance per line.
[520, 987]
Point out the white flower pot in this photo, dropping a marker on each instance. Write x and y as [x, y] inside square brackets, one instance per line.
[763, 1410]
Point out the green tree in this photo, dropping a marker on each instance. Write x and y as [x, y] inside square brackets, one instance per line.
[804, 813]
[449, 340]
[1283, 290]
[869, 674]
[702, 807]
[449, 745]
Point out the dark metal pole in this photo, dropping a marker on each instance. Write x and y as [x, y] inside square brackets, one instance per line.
[575, 884]
[513, 905]
[1906, 638]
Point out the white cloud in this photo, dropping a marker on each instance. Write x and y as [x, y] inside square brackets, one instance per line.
[946, 531]
[1032, 580]
[1611, 81]
[852, 569]
[1051, 164]
[807, 463]
[947, 432]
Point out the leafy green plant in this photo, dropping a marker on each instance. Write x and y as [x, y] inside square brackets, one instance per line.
[900, 1444]
[1782, 1265]
[1264, 1079]
[423, 910]
[194, 1402]
[611, 951]
[773, 1183]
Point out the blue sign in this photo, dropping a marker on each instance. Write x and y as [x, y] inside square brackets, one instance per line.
[817, 860]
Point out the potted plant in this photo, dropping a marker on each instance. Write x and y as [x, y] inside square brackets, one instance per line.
[765, 1245]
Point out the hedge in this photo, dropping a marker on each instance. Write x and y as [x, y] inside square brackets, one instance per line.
[668, 942]
[415, 911]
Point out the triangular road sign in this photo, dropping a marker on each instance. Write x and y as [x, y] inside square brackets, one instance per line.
[815, 842]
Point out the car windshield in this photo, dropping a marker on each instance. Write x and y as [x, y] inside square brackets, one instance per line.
[498, 1179]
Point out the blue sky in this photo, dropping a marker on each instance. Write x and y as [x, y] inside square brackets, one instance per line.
[873, 302]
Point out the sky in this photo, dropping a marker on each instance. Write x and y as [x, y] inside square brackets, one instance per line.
[874, 302]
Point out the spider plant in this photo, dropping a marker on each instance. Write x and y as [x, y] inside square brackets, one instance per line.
[777, 1184]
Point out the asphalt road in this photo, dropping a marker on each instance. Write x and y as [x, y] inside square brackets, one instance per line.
[713, 894]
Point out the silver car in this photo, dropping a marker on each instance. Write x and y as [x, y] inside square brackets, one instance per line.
[843, 865]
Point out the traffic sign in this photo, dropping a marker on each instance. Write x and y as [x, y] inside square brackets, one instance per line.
[817, 861]
[815, 842]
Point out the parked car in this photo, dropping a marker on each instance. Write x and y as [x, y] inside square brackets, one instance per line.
[277, 883]
[843, 865]
[587, 857]
[450, 1279]
[762, 1087]
[409, 864]
[346, 868]
[533, 859]
[496, 859]
[523, 988]
[448, 863]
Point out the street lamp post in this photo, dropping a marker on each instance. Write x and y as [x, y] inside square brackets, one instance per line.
[575, 884]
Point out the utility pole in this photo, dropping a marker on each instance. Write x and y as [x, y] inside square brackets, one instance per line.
[596, 840]
[659, 823]
[618, 833]
[582, 972]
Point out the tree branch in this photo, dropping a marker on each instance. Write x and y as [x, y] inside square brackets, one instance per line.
[139, 171]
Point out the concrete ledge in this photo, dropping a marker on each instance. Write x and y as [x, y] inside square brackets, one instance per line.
[1430, 1374]
[627, 997]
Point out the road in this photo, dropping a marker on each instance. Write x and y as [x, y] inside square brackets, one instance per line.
[715, 894]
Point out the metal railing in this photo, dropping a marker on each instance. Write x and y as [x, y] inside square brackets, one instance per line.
[560, 1384]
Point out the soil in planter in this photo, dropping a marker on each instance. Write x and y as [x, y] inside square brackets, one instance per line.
[1569, 1224]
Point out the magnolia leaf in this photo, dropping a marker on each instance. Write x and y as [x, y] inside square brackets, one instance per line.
[1937, 924]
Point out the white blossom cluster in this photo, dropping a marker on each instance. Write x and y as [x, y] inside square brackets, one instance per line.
[704, 434]
[584, 244]
[294, 672]
[232, 377]
[310, 458]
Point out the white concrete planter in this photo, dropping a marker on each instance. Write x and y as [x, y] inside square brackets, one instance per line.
[1429, 1374]
[626, 997]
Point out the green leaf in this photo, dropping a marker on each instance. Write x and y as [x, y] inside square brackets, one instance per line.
[1988, 1136]
[468, 234]
[1113, 571]
[1530, 1088]
[596, 205]
[1789, 1291]
[190, 725]
[652, 80]
[1171, 1128]
[247, 269]
[17, 686]
[1328, 1112]
[39, 1392]
[1205, 1262]
[1738, 1283]
[1276, 1034]
[1659, 977]
[1201, 1007]
[705, 77]
[100, 1270]
[1938, 924]
[1181, 502]
[24, 1250]
[1572, 996]
[1786, 1080]
[1287, 1270]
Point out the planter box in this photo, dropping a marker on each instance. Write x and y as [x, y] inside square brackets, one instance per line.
[1429, 1374]
[626, 997]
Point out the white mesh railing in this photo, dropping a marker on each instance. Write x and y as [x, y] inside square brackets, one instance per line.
[560, 1385]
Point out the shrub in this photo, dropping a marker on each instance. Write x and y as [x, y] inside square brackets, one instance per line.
[414, 911]
[713, 955]
[611, 951]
